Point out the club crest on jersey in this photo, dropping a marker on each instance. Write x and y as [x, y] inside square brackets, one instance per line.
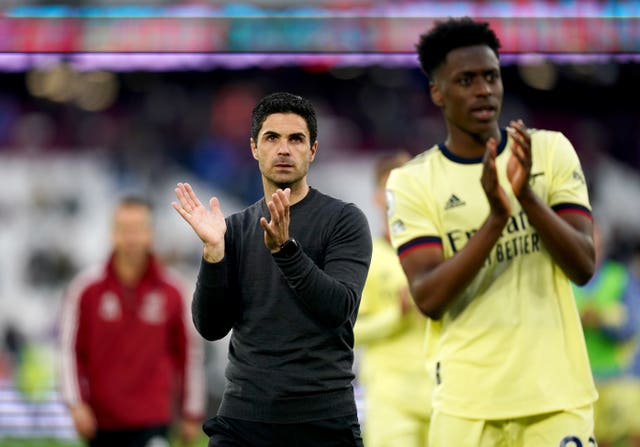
[453, 202]
[390, 198]
[109, 308]
[397, 226]
[152, 310]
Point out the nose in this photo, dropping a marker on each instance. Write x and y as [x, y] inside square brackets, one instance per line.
[283, 148]
[483, 88]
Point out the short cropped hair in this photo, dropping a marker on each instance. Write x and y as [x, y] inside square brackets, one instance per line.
[385, 163]
[283, 102]
[135, 200]
[449, 35]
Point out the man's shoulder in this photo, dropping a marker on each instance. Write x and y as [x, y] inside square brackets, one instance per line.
[552, 145]
[319, 197]
[420, 160]
[87, 278]
[328, 202]
[322, 210]
[414, 170]
[545, 135]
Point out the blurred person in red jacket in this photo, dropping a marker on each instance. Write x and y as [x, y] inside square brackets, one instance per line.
[130, 355]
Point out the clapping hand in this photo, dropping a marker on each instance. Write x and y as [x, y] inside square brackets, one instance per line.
[519, 165]
[209, 224]
[498, 200]
[276, 230]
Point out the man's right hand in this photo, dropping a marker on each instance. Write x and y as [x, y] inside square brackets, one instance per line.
[210, 226]
[498, 200]
[83, 420]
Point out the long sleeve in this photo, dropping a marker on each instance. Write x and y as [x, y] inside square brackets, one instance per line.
[379, 325]
[291, 319]
[190, 353]
[71, 366]
[214, 307]
[380, 315]
[332, 293]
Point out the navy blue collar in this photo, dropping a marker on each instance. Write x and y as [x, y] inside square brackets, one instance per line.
[468, 161]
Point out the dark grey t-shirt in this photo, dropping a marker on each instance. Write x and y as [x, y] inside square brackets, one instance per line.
[291, 348]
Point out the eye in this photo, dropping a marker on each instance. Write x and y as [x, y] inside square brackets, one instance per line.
[296, 138]
[492, 77]
[465, 81]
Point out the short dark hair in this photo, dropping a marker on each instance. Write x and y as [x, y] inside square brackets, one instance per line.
[135, 200]
[283, 102]
[449, 35]
[386, 162]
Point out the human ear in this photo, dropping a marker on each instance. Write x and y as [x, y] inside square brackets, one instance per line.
[314, 149]
[436, 94]
[254, 148]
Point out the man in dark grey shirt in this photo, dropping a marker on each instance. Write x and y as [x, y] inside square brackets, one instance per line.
[285, 275]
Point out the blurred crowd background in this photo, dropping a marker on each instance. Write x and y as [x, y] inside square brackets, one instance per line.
[80, 128]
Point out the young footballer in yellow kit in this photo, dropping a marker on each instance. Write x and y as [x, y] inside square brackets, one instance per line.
[491, 227]
[390, 331]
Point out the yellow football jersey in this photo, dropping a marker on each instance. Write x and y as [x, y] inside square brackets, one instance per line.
[393, 362]
[511, 344]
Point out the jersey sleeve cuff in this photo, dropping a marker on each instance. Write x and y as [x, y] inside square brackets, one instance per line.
[563, 208]
[420, 242]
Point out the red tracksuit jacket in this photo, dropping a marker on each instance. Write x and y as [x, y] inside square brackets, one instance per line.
[132, 353]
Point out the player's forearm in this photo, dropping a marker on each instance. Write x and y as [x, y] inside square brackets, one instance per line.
[568, 239]
[332, 295]
[214, 307]
[437, 289]
[375, 326]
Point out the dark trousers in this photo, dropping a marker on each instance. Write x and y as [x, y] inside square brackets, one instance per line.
[142, 437]
[334, 432]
